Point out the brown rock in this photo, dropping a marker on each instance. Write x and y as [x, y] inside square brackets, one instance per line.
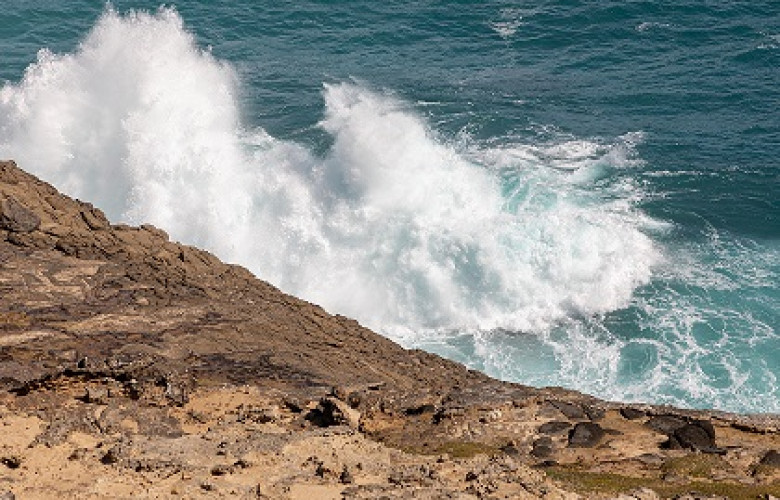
[585, 435]
[554, 427]
[16, 218]
[666, 424]
[570, 410]
[631, 413]
[771, 458]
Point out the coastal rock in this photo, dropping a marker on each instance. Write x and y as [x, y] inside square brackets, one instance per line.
[631, 413]
[771, 458]
[554, 427]
[585, 435]
[699, 436]
[159, 368]
[570, 410]
[666, 424]
[16, 218]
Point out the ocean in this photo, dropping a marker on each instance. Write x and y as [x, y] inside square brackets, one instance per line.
[559, 192]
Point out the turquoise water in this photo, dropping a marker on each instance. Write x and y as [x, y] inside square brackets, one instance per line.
[562, 193]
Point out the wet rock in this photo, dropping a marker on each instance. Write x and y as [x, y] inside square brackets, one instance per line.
[16, 218]
[569, 410]
[631, 413]
[554, 427]
[585, 435]
[771, 458]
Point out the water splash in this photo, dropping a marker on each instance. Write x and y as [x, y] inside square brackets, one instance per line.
[448, 244]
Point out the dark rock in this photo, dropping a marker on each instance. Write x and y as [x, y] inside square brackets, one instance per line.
[554, 427]
[707, 426]
[585, 435]
[419, 410]
[16, 218]
[11, 462]
[569, 410]
[594, 413]
[221, 470]
[511, 449]
[694, 437]
[242, 463]
[111, 456]
[471, 476]
[331, 411]
[771, 458]
[631, 413]
[666, 424]
[346, 476]
[542, 448]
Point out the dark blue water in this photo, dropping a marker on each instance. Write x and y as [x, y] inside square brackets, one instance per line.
[566, 193]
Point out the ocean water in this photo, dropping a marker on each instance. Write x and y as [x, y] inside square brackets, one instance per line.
[572, 193]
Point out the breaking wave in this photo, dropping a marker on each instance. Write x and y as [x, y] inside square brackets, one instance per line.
[531, 261]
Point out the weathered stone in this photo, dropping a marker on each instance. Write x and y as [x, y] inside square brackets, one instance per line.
[7, 495]
[585, 435]
[771, 458]
[96, 395]
[554, 427]
[594, 413]
[331, 411]
[631, 413]
[569, 410]
[112, 455]
[666, 424]
[12, 462]
[94, 218]
[16, 218]
[346, 476]
[694, 437]
[542, 448]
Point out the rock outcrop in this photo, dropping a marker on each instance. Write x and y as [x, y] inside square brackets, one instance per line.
[133, 366]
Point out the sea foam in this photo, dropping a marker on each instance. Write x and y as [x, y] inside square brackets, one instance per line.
[505, 254]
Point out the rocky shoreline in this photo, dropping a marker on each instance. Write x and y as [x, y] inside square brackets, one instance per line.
[135, 367]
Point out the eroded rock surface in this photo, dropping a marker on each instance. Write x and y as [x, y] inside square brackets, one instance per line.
[132, 366]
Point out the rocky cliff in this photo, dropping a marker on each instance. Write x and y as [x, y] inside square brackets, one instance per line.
[132, 366]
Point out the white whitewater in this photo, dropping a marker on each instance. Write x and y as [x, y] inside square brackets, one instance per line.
[419, 237]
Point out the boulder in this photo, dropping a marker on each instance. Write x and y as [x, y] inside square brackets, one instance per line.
[771, 458]
[585, 435]
[16, 218]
